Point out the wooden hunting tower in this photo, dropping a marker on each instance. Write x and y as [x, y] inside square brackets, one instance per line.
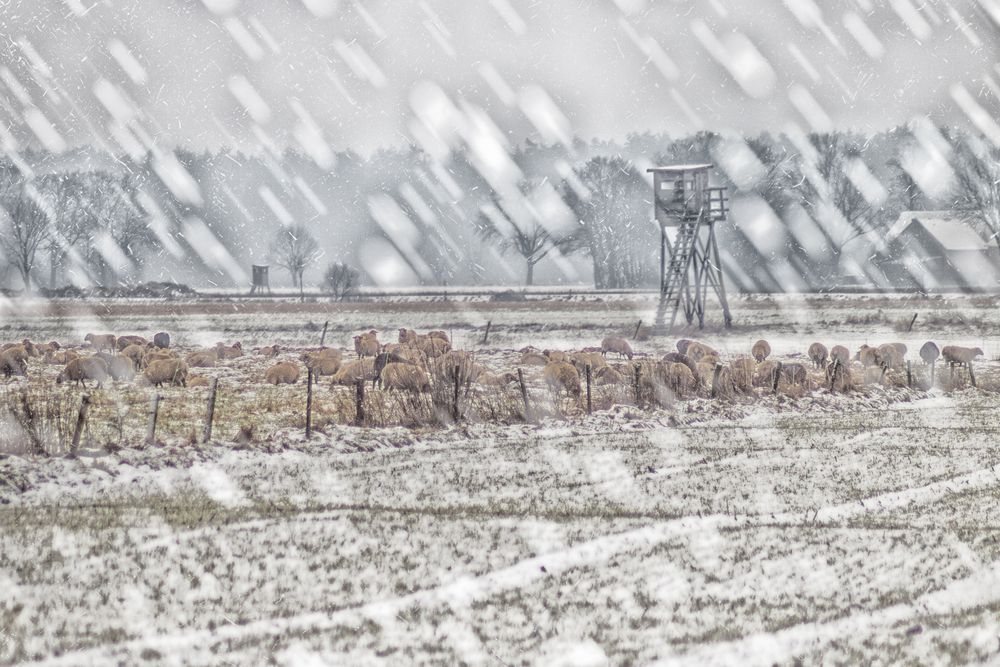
[683, 198]
[260, 280]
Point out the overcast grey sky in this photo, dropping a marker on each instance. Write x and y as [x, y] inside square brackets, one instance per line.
[610, 67]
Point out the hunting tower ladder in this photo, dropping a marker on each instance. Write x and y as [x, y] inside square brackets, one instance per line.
[683, 199]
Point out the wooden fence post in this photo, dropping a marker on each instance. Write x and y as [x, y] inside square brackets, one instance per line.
[309, 402]
[777, 378]
[454, 400]
[910, 328]
[715, 380]
[322, 339]
[951, 364]
[972, 376]
[637, 327]
[909, 374]
[524, 394]
[81, 420]
[486, 336]
[359, 402]
[638, 387]
[589, 405]
[154, 411]
[210, 410]
[933, 364]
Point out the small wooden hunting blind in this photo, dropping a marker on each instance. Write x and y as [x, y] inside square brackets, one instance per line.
[260, 280]
[684, 199]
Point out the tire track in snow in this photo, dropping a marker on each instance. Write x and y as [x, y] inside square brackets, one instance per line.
[984, 586]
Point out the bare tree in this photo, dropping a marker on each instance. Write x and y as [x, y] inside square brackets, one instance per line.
[26, 224]
[295, 249]
[615, 223]
[341, 279]
[523, 234]
[977, 183]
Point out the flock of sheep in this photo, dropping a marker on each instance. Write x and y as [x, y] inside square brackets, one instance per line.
[415, 363]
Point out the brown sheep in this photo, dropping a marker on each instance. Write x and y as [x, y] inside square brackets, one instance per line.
[136, 353]
[169, 371]
[407, 336]
[761, 350]
[556, 355]
[605, 375]
[682, 345]
[956, 354]
[101, 341]
[82, 369]
[366, 345]
[743, 371]
[270, 351]
[842, 353]
[17, 351]
[794, 373]
[617, 345]
[494, 380]
[533, 359]
[890, 356]
[121, 368]
[765, 374]
[125, 341]
[10, 365]
[681, 379]
[161, 340]
[456, 366]
[678, 358]
[323, 362]
[202, 359]
[560, 375]
[194, 381]
[868, 356]
[698, 350]
[234, 351]
[405, 377]
[283, 372]
[60, 357]
[434, 347]
[45, 349]
[352, 371]
[440, 335]
[818, 353]
[157, 355]
[581, 359]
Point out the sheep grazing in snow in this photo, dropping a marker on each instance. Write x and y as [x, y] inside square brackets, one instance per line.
[840, 352]
[956, 354]
[405, 377]
[408, 336]
[440, 335]
[794, 373]
[743, 370]
[125, 341]
[283, 372]
[197, 381]
[366, 345]
[606, 375]
[137, 353]
[678, 358]
[433, 347]
[202, 359]
[17, 351]
[761, 350]
[765, 373]
[156, 355]
[890, 356]
[10, 365]
[869, 356]
[456, 366]
[120, 368]
[488, 379]
[682, 345]
[532, 358]
[169, 371]
[582, 359]
[699, 350]
[555, 355]
[818, 354]
[382, 360]
[233, 351]
[270, 351]
[618, 345]
[322, 362]
[560, 376]
[161, 340]
[60, 357]
[352, 371]
[79, 370]
[45, 349]
[101, 341]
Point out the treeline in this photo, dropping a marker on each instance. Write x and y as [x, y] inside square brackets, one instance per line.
[807, 211]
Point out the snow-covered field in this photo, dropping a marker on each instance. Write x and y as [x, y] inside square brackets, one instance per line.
[844, 529]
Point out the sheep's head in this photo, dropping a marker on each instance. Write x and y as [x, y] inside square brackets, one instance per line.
[977, 352]
[238, 345]
[89, 338]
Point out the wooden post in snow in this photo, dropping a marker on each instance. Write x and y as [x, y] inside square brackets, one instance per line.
[210, 410]
[309, 402]
[81, 420]
[589, 405]
[524, 394]
[777, 378]
[154, 412]
[359, 402]
[322, 339]
[486, 336]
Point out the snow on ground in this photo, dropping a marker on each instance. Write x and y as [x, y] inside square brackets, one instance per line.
[842, 529]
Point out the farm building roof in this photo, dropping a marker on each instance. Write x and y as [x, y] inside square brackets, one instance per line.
[680, 167]
[953, 230]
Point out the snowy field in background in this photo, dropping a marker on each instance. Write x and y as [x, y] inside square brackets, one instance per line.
[842, 529]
